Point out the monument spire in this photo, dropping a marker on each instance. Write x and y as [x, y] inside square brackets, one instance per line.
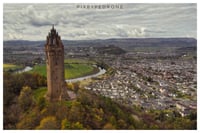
[56, 85]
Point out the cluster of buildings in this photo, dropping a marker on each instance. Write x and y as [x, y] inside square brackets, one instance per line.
[152, 84]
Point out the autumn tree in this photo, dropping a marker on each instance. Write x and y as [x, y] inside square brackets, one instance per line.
[77, 125]
[109, 126]
[65, 124]
[25, 98]
[121, 124]
[11, 116]
[48, 122]
[76, 110]
[30, 120]
[41, 103]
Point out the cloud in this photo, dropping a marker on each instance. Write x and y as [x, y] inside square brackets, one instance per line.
[33, 21]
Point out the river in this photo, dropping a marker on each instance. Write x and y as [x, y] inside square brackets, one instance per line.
[26, 69]
[101, 71]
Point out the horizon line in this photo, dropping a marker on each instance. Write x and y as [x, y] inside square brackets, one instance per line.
[110, 38]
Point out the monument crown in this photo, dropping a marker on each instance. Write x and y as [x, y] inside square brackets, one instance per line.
[53, 38]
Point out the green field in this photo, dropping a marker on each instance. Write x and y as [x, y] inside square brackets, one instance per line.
[40, 69]
[7, 67]
[83, 61]
[73, 68]
[77, 70]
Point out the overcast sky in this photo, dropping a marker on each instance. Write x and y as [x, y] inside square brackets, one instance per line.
[33, 21]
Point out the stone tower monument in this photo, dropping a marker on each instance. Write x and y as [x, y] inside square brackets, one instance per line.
[54, 50]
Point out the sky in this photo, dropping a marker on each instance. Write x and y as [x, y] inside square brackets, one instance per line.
[34, 21]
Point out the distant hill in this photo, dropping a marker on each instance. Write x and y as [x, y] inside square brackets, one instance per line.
[155, 42]
[125, 42]
[111, 49]
[22, 42]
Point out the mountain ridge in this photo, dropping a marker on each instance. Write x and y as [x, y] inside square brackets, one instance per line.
[139, 42]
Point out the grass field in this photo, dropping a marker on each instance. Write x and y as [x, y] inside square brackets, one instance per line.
[7, 67]
[83, 61]
[77, 70]
[40, 69]
[73, 68]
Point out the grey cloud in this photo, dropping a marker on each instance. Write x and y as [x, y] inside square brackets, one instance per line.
[121, 33]
[33, 21]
